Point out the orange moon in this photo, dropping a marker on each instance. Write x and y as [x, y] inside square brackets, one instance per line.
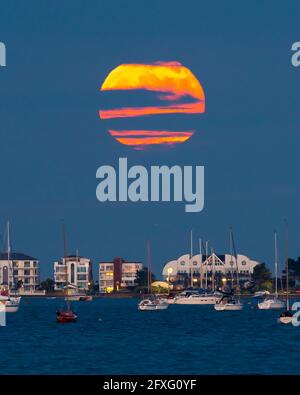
[167, 87]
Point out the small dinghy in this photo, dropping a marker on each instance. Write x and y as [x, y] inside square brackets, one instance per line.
[286, 317]
[66, 316]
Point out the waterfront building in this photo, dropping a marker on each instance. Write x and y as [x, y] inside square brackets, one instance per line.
[188, 271]
[118, 274]
[20, 271]
[74, 270]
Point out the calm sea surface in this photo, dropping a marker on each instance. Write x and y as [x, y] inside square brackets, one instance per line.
[113, 337]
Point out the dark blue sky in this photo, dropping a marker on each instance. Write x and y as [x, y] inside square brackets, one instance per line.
[52, 141]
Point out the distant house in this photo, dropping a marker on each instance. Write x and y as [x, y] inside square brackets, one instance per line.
[75, 270]
[118, 274]
[185, 270]
[20, 268]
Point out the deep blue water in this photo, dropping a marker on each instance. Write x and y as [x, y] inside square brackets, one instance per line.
[113, 337]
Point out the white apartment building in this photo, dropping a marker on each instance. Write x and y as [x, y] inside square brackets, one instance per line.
[20, 270]
[200, 265]
[73, 270]
[118, 274]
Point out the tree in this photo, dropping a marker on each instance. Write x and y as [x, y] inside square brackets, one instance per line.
[48, 284]
[262, 276]
[142, 278]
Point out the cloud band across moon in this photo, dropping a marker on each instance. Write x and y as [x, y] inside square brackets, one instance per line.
[167, 88]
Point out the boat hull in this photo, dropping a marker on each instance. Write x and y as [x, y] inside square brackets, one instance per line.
[11, 304]
[205, 300]
[65, 317]
[229, 307]
[285, 320]
[147, 305]
[286, 317]
[271, 305]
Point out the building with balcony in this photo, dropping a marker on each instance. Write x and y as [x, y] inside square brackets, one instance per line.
[186, 271]
[74, 270]
[118, 274]
[21, 271]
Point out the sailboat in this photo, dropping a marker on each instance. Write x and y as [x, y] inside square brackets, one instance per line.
[66, 315]
[152, 302]
[273, 302]
[287, 316]
[230, 302]
[194, 297]
[11, 303]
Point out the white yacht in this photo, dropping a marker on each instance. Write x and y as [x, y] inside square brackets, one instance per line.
[194, 297]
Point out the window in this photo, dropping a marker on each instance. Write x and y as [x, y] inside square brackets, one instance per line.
[26, 264]
[81, 269]
[26, 272]
[81, 277]
[195, 263]
[182, 263]
[244, 263]
[72, 272]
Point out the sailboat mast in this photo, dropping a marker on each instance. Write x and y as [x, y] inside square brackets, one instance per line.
[8, 252]
[276, 264]
[287, 264]
[236, 263]
[231, 256]
[201, 273]
[191, 255]
[213, 270]
[65, 250]
[206, 253]
[149, 267]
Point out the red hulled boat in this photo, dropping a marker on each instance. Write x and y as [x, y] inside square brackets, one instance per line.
[65, 316]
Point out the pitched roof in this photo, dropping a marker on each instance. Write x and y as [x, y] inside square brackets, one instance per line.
[16, 256]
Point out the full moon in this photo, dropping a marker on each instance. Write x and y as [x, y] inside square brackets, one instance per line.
[147, 92]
